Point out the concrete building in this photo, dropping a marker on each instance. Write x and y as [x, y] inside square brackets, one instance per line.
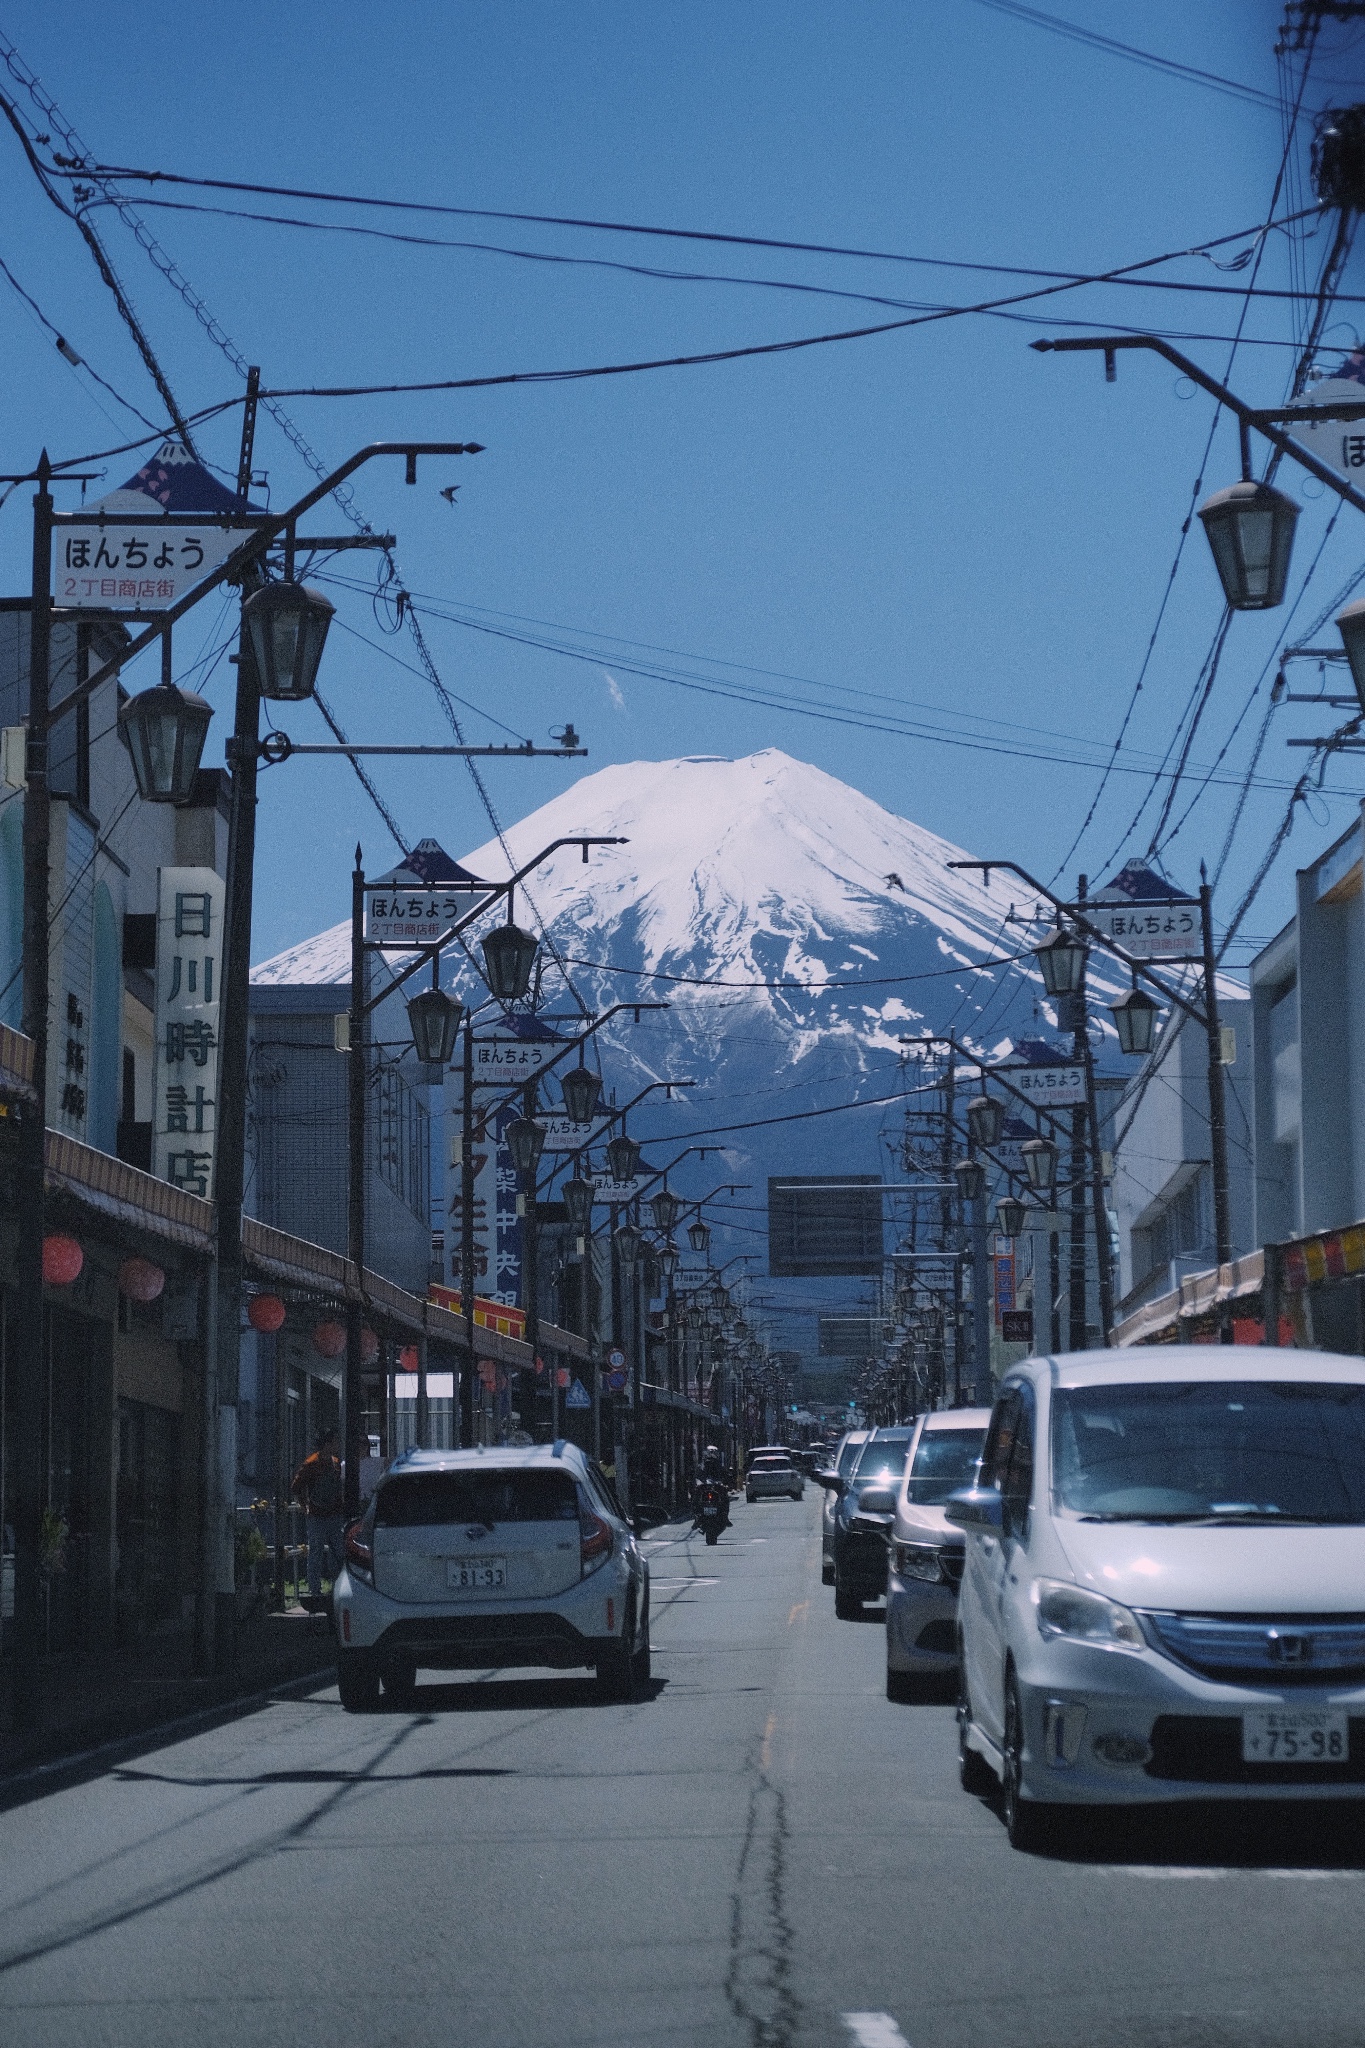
[1308, 1011]
[1163, 1175]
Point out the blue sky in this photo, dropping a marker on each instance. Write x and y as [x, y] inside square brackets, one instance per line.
[978, 534]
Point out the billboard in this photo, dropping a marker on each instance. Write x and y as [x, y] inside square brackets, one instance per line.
[850, 1336]
[825, 1226]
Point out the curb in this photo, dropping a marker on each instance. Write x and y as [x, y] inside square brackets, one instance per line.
[35, 1775]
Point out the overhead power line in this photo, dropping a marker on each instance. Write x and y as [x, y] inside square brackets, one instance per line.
[1190, 74]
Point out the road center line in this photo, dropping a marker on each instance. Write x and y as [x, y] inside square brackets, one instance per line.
[765, 1756]
[875, 2030]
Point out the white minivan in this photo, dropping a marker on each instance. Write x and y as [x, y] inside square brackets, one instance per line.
[1163, 1595]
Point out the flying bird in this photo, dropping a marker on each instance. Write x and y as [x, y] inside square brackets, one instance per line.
[449, 493]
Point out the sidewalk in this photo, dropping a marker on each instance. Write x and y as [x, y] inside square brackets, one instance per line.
[90, 1698]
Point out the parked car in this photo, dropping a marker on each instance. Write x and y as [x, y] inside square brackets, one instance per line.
[924, 1562]
[844, 1458]
[471, 1560]
[866, 1504]
[1162, 1596]
[773, 1475]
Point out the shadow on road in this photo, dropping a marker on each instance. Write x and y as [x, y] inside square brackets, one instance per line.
[516, 1695]
[1257, 1835]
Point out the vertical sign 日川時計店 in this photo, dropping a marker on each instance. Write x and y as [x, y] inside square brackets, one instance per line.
[189, 973]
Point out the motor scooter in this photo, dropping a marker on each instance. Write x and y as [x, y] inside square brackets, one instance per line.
[713, 1509]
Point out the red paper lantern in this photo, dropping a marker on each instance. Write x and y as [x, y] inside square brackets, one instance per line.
[369, 1346]
[62, 1261]
[140, 1280]
[329, 1339]
[265, 1312]
[407, 1358]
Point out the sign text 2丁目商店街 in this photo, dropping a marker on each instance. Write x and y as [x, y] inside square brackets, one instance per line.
[189, 973]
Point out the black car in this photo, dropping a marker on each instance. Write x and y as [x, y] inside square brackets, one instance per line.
[865, 1509]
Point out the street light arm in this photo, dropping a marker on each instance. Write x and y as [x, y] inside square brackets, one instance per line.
[256, 544]
[495, 890]
[1250, 417]
[1100, 938]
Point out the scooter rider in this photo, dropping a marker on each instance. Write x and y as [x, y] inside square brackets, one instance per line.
[711, 1485]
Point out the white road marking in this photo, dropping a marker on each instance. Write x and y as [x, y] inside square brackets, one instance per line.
[1181, 1871]
[875, 2030]
[681, 1582]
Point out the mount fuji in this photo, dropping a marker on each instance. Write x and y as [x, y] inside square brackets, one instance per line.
[798, 933]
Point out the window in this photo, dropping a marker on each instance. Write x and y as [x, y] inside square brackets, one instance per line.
[1016, 1487]
[1000, 1438]
[426, 1499]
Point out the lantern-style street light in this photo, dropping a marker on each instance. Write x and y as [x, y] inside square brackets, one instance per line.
[627, 1241]
[579, 1196]
[1011, 1214]
[971, 1179]
[623, 1156]
[1135, 1016]
[668, 1260]
[286, 625]
[1251, 532]
[580, 1089]
[434, 1019]
[985, 1115]
[164, 730]
[1061, 958]
[664, 1209]
[525, 1141]
[699, 1235]
[509, 957]
[1040, 1164]
[1351, 626]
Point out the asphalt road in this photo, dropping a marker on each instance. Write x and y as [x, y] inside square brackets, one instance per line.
[764, 1854]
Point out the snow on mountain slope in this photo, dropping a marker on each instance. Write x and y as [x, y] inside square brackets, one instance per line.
[833, 926]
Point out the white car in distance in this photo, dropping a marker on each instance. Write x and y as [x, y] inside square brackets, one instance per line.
[772, 1475]
[1164, 1589]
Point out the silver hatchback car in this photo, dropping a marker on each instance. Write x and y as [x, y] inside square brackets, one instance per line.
[926, 1551]
[485, 1560]
[844, 1459]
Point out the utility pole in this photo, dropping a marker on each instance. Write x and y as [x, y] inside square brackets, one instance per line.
[353, 1399]
[467, 1238]
[530, 1276]
[1076, 1327]
[28, 1357]
[1218, 1123]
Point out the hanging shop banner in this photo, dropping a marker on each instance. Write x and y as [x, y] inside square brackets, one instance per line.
[189, 973]
[1004, 1281]
[562, 1134]
[146, 545]
[614, 1194]
[417, 902]
[496, 1224]
[1150, 931]
[1338, 441]
[1059, 1087]
[501, 1062]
